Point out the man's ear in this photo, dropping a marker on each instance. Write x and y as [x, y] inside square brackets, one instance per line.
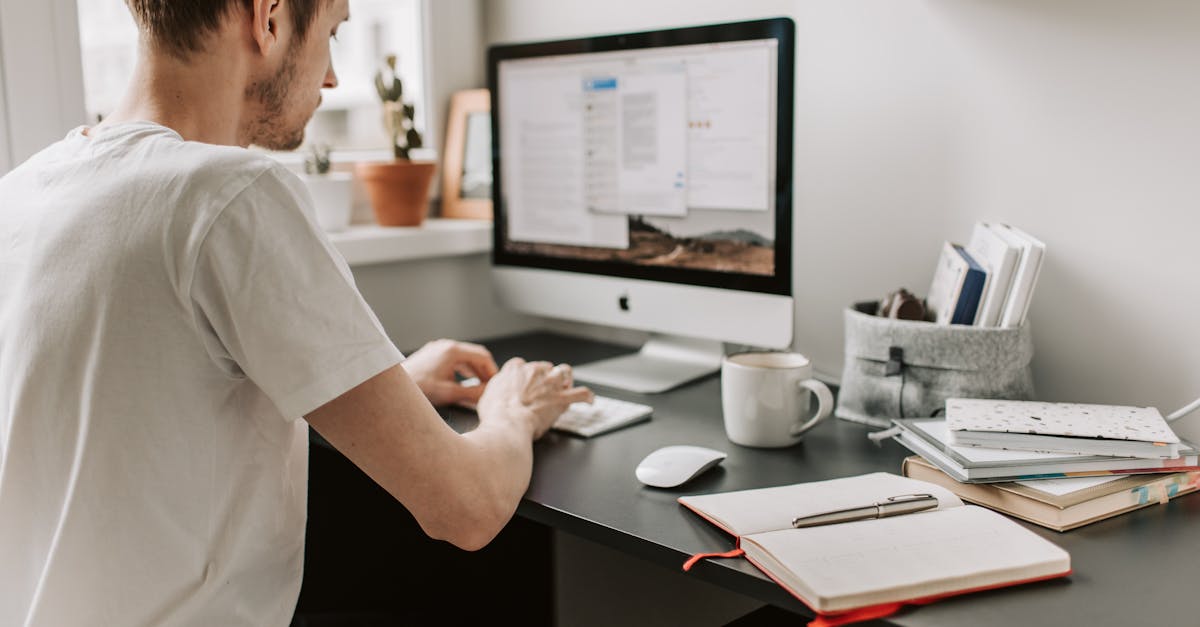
[264, 28]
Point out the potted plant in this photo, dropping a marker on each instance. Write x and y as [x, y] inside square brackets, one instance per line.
[398, 189]
[332, 192]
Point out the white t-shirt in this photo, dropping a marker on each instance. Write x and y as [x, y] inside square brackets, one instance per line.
[169, 310]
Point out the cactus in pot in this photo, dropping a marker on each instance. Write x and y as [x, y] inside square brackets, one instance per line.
[399, 189]
[398, 115]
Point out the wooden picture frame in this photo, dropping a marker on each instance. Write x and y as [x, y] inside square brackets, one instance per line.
[467, 161]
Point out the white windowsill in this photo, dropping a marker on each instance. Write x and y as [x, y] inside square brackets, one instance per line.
[370, 244]
[295, 159]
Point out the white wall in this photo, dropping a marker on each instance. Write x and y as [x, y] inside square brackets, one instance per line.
[1074, 119]
[418, 301]
[455, 49]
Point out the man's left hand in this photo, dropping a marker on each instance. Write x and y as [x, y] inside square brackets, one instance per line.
[435, 365]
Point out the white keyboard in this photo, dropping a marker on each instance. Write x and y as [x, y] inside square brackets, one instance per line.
[601, 416]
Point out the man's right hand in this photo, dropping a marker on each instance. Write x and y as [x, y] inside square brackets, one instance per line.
[462, 488]
[534, 393]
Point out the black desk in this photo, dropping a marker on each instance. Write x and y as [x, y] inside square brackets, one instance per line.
[1134, 569]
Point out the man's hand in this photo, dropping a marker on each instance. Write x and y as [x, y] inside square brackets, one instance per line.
[462, 488]
[535, 394]
[433, 368]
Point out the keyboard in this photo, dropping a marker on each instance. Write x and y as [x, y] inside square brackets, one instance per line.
[601, 416]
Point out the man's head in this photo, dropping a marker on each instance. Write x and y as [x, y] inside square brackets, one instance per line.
[286, 48]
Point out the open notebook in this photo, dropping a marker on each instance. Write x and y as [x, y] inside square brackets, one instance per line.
[870, 568]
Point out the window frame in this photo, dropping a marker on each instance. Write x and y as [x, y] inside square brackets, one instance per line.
[296, 158]
[40, 60]
[5, 156]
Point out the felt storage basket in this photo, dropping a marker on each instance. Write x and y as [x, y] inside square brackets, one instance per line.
[906, 368]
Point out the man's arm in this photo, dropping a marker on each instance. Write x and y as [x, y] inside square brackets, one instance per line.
[460, 488]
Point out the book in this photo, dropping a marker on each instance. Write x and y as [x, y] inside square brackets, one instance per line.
[874, 567]
[1062, 504]
[993, 251]
[958, 283]
[1115, 430]
[1025, 275]
[929, 438]
[946, 285]
[966, 309]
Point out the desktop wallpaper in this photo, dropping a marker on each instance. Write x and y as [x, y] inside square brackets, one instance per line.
[736, 250]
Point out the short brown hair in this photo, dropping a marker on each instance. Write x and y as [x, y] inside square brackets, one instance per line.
[180, 26]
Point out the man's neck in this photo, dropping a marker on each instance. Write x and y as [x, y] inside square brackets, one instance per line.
[202, 101]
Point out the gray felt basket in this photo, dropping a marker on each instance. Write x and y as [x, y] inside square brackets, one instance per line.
[905, 368]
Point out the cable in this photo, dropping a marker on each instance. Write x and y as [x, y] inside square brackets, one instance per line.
[1183, 411]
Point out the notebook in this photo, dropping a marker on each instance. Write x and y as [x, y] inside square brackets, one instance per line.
[875, 567]
[929, 438]
[1061, 427]
[1000, 257]
[1063, 504]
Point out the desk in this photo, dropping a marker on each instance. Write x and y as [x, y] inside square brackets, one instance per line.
[1133, 569]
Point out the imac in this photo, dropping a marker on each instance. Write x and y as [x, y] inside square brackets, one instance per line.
[644, 181]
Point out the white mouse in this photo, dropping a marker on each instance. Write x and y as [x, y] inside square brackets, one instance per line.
[670, 466]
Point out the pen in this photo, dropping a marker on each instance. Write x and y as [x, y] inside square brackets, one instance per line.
[893, 506]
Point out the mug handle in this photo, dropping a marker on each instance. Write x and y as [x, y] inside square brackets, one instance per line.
[824, 405]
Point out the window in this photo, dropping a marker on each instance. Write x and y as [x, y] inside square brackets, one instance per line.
[350, 116]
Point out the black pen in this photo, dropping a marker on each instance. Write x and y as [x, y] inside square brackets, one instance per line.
[893, 506]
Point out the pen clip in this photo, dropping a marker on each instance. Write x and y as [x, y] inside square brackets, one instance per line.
[908, 498]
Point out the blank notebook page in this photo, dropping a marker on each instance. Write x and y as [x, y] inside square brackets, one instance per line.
[767, 509]
[850, 565]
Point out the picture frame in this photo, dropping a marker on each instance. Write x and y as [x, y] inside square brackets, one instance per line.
[467, 162]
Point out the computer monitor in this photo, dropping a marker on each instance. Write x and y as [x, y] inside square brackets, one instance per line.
[644, 181]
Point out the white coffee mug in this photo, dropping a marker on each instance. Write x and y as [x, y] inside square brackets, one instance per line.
[764, 397]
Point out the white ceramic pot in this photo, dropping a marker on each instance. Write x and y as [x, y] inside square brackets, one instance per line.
[332, 196]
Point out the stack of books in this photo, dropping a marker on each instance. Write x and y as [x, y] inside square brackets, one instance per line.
[1060, 465]
[990, 281]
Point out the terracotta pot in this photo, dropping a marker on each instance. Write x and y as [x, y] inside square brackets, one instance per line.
[399, 190]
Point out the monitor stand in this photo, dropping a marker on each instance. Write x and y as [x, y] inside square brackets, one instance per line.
[664, 362]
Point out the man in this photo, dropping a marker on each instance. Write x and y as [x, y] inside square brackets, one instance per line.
[168, 313]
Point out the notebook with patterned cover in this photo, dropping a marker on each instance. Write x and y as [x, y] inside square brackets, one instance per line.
[1116, 430]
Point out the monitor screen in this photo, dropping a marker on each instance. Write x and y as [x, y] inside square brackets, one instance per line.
[644, 181]
[663, 155]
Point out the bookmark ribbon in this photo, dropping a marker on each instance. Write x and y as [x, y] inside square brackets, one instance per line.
[699, 556]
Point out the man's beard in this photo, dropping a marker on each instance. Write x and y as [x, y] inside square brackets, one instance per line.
[268, 128]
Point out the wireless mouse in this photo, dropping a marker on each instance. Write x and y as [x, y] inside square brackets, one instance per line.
[670, 466]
